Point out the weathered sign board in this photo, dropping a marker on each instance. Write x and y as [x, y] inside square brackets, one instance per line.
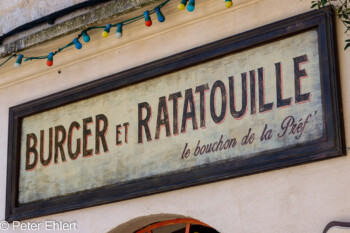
[257, 101]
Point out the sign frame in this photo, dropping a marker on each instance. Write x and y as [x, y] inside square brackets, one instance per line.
[332, 145]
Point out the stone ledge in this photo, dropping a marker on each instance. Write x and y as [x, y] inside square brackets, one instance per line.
[94, 16]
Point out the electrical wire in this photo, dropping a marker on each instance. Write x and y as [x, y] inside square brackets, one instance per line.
[125, 22]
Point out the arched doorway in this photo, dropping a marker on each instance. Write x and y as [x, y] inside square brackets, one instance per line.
[179, 225]
[164, 223]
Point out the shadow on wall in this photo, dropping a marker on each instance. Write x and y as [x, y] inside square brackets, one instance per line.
[163, 223]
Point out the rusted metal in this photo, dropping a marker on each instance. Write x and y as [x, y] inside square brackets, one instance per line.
[336, 224]
[187, 221]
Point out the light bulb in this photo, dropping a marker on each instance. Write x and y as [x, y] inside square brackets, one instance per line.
[148, 20]
[19, 61]
[119, 32]
[77, 44]
[86, 37]
[105, 32]
[160, 15]
[190, 6]
[182, 5]
[49, 61]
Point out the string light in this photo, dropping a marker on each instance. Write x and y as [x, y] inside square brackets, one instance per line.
[105, 33]
[228, 3]
[49, 61]
[86, 37]
[119, 33]
[19, 61]
[182, 5]
[77, 44]
[190, 6]
[148, 20]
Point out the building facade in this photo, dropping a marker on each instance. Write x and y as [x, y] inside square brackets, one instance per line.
[299, 198]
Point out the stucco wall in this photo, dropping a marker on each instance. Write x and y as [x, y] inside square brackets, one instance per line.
[14, 13]
[301, 199]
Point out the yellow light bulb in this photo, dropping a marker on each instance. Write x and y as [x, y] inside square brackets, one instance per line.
[105, 34]
[228, 4]
[181, 6]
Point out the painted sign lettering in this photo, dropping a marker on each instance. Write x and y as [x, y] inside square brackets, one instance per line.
[260, 99]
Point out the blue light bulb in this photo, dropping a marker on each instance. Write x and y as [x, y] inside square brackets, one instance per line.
[160, 15]
[190, 6]
[86, 37]
[78, 45]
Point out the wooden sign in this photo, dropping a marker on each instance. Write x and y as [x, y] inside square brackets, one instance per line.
[261, 100]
